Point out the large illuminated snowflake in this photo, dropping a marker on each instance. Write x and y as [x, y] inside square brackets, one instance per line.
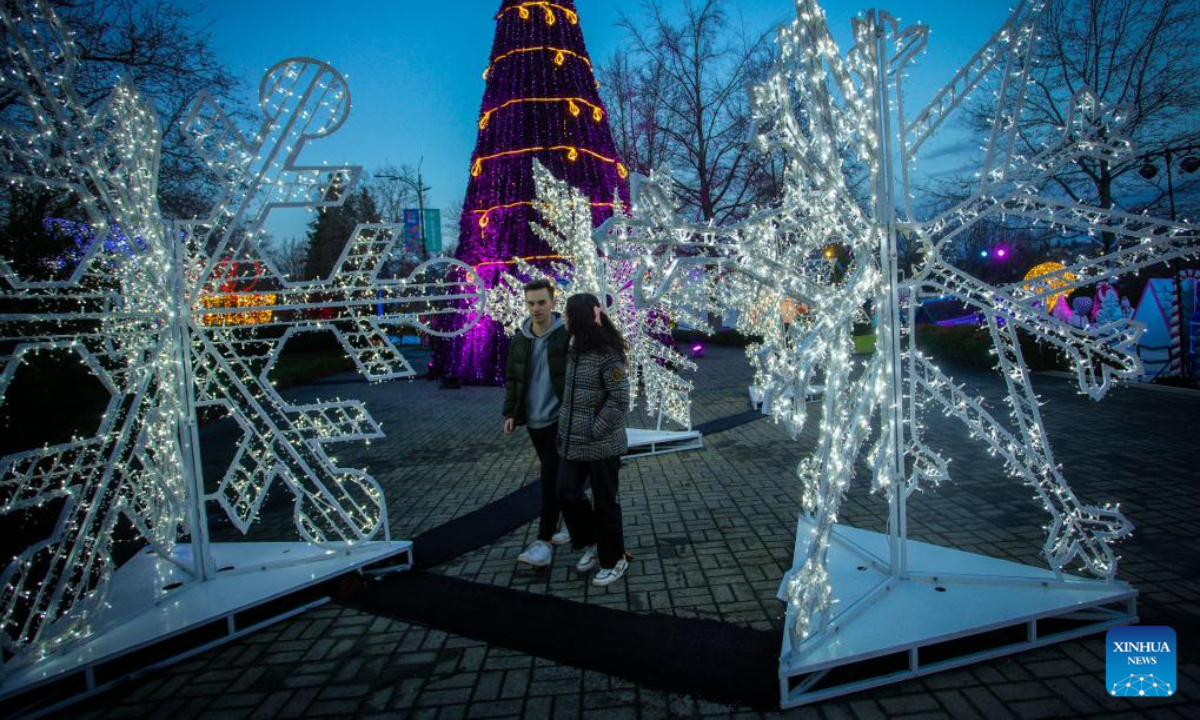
[655, 365]
[173, 328]
[830, 114]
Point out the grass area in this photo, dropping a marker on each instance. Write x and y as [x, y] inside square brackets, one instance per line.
[726, 337]
[972, 346]
[300, 367]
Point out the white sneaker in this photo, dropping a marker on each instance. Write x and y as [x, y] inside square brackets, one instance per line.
[538, 554]
[588, 561]
[562, 537]
[608, 576]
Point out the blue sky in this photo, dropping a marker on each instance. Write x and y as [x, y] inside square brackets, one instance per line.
[415, 67]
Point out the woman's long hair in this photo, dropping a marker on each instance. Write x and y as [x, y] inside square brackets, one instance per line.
[581, 323]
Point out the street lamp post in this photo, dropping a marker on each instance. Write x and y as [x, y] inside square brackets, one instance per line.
[419, 187]
[1189, 164]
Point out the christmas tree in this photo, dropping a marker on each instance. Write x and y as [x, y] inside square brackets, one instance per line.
[541, 101]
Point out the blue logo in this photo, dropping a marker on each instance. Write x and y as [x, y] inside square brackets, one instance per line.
[1140, 661]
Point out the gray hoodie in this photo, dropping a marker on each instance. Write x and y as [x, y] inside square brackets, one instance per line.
[541, 402]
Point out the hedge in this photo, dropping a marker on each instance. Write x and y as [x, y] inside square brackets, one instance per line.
[971, 346]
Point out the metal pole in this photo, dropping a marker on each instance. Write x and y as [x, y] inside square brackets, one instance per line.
[1184, 360]
[421, 207]
[888, 323]
[204, 566]
[419, 186]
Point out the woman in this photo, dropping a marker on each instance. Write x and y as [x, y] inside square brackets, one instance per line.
[591, 438]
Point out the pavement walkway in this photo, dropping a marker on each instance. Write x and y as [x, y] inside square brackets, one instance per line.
[712, 533]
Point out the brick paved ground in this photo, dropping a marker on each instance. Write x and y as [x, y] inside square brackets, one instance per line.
[712, 533]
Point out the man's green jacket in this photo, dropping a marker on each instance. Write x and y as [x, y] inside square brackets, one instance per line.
[518, 368]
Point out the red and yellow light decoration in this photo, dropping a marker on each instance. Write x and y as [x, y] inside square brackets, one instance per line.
[514, 261]
[772, 307]
[1059, 279]
[571, 151]
[560, 56]
[258, 316]
[573, 104]
[233, 291]
[547, 8]
[486, 212]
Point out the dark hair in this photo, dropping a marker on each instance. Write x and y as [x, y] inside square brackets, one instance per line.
[540, 284]
[581, 323]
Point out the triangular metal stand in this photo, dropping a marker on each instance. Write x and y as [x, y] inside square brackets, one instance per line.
[952, 608]
[155, 615]
[659, 442]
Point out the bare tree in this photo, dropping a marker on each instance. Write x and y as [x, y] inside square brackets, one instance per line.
[290, 256]
[1136, 53]
[451, 217]
[637, 111]
[685, 101]
[158, 47]
[392, 196]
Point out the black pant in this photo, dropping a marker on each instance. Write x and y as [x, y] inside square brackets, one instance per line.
[601, 526]
[544, 440]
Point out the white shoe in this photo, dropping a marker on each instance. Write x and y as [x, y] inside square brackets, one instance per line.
[588, 561]
[608, 576]
[562, 537]
[538, 554]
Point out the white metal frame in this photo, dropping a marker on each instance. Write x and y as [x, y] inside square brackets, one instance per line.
[155, 605]
[647, 443]
[816, 106]
[142, 326]
[879, 614]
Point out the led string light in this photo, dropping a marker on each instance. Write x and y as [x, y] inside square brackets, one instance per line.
[485, 213]
[257, 316]
[518, 261]
[571, 151]
[549, 85]
[548, 9]
[573, 104]
[566, 226]
[1056, 280]
[560, 56]
[172, 328]
[816, 104]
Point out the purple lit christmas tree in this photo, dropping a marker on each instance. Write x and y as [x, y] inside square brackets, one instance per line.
[541, 102]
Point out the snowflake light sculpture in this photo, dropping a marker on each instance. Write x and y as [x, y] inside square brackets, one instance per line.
[826, 112]
[567, 229]
[141, 325]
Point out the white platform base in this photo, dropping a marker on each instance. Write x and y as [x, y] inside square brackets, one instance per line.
[886, 629]
[760, 401]
[155, 617]
[659, 442]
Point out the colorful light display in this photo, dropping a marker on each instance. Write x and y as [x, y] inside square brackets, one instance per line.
[540, 103]
[817, 103]
[166, 315]
[655, 366]
[560, 56]
[1052, 277]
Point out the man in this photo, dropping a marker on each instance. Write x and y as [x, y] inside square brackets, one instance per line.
[536, 371]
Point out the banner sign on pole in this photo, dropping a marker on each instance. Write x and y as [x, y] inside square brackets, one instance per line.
[433, 232]
[412, 231]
